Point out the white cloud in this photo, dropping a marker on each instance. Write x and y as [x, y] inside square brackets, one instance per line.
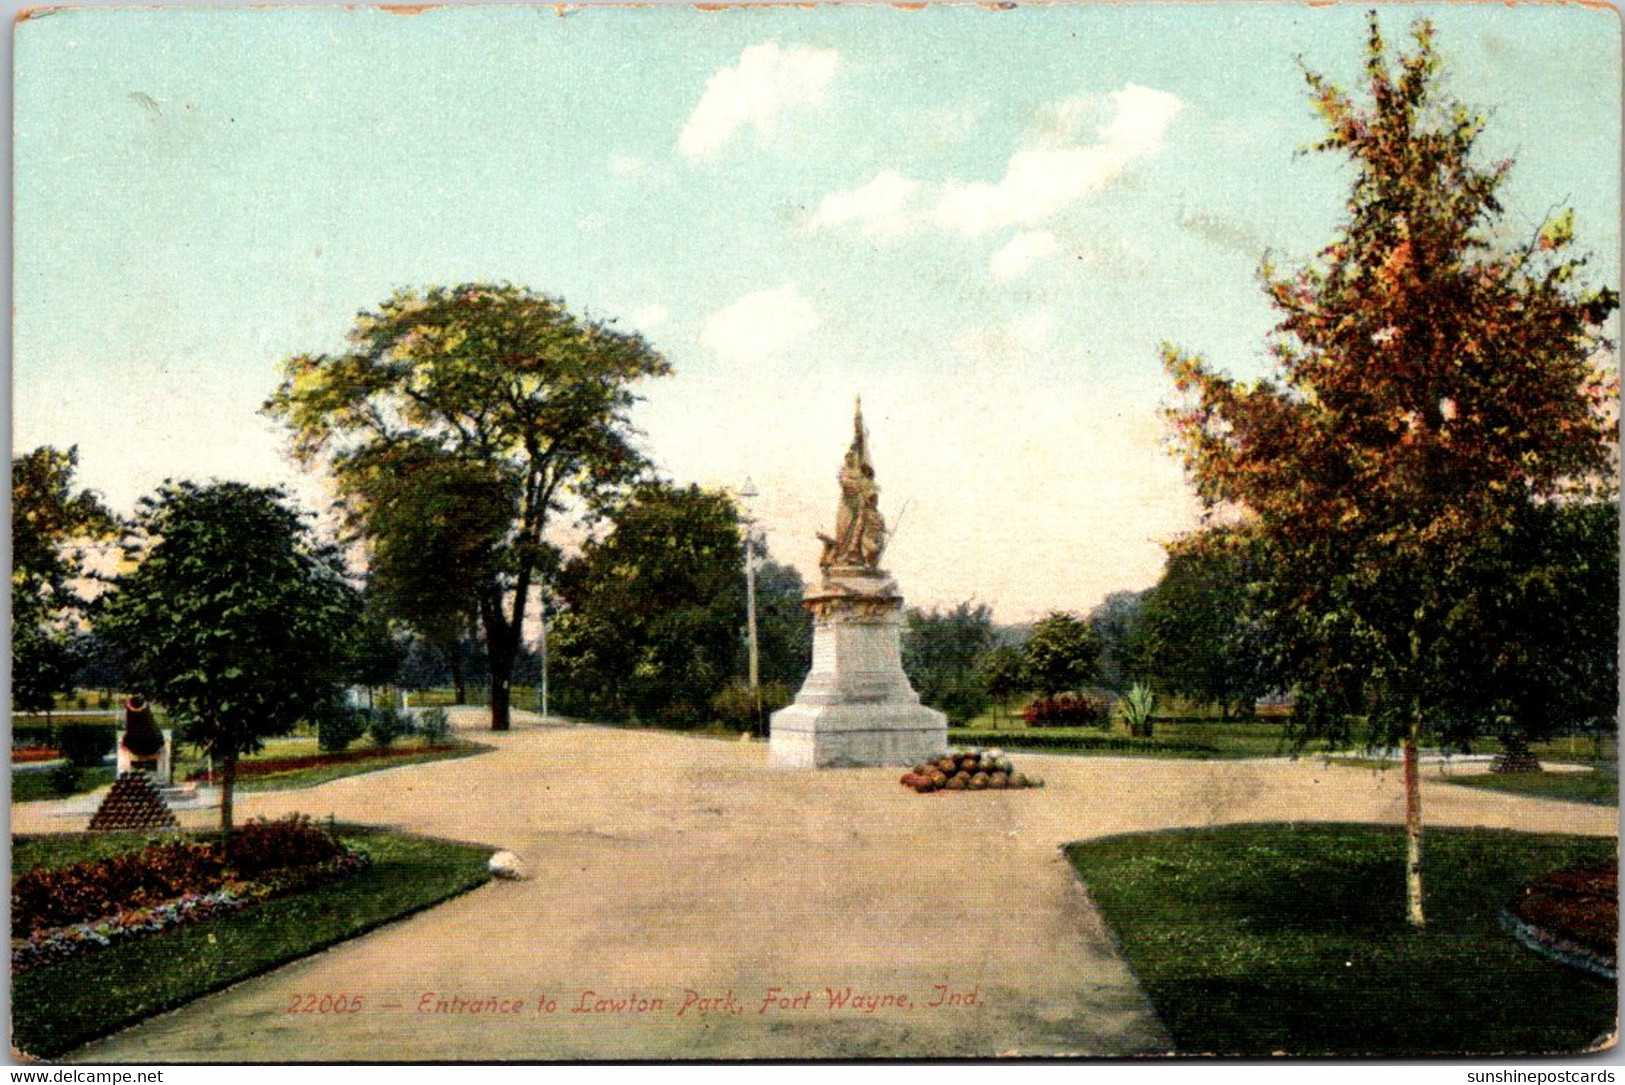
[1042, 180]
[766, 81]
[1018, 254]
[649, 317]
[759, 325]
[1026, 334]
[1141, 120]
[1077, 147]
[625, 165]
[883, 206]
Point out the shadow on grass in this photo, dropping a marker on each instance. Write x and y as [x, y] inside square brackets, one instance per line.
[1259, 939]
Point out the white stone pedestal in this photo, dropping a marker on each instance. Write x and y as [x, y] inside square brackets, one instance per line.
[856, 707]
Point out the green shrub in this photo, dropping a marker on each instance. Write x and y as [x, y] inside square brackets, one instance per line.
[33, 735]
[736, 708]
[64, 778]
[340, 727]
[87, 744]
[385, 725]
[433, 724]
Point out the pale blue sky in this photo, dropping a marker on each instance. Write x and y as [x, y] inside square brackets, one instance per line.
[983, 221]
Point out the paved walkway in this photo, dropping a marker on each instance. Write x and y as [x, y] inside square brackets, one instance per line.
[671, 869]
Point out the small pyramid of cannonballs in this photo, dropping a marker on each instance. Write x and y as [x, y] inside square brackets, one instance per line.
[975, 769]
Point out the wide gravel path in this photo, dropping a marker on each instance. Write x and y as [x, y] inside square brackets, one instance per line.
[689, 902]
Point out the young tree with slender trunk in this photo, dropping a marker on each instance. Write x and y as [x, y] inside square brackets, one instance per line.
[1434, 379]
[233, 617]
[493, 385]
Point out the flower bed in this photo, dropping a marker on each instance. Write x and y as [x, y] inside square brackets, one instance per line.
[1571, 916]
[1068, 710]
[60, 913]
[270, 765]
[23, 755]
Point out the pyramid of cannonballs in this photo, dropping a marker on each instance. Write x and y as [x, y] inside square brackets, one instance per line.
[133, 803]
[974, 769]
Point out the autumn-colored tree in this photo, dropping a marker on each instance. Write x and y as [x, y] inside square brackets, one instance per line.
[511, 410]
[1435, 378]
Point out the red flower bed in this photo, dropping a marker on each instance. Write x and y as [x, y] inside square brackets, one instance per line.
[270, 765]
[1577, 906]
[1067, 710]
[260, 851]
[26, 754]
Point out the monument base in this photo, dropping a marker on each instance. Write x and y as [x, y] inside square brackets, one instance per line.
[831, 736]
[856, 707]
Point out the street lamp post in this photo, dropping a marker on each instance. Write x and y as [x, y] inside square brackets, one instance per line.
[747, 493]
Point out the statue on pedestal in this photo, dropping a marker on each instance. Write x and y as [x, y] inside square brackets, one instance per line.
[856, 706]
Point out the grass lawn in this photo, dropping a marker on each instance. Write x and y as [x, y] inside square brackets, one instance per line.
[59, 1007]
[1258, 939]
[404, 751]
[525, 697]
[1594, 788]
[35, 786]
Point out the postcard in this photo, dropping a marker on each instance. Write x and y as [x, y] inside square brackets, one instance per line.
[814, 532]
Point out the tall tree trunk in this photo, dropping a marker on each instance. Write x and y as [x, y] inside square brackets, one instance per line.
[458, 685]
[501, 645]
[1413, 828]
[501, 696]
[227, 781]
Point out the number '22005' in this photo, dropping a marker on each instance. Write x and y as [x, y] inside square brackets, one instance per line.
[326, 1004]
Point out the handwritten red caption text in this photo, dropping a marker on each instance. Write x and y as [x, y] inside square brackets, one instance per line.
[772, 1001]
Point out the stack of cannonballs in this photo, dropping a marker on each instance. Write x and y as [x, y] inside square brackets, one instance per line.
[975, 769]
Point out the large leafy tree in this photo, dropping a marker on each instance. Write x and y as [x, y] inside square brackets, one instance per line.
[1530, 641]
[1063, 653]
[1198, 637]
[233, 617]
[784, 628]
[1435, 378]
[1118, 624]
[942, 650]
[436, 527]
[49, 522]
[512, 409]
[1003, 670]
[652, 612]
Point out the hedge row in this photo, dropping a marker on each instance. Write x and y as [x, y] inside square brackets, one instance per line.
[85, 744]
[1041, 741]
